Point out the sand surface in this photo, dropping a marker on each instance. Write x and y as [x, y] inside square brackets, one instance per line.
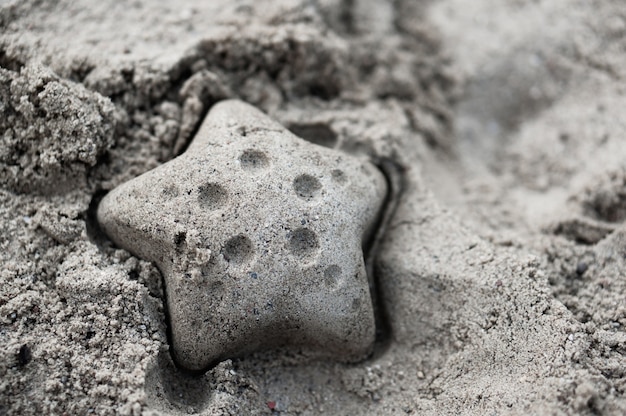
[500, 277]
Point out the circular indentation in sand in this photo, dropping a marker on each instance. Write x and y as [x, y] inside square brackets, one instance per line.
[306, 186]
[238, 249]
[253, 160]
[332, 274]
[303, 243]
[212, 196]
[338, 176]
[170, 191]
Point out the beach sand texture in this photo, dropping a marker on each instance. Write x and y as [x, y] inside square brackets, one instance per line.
[500, 277]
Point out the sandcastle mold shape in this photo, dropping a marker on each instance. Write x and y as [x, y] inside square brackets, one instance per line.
[259, 236]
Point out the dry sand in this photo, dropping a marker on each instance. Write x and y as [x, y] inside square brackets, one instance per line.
[500, 275]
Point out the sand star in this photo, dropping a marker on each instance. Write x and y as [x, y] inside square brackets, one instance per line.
[258, 235]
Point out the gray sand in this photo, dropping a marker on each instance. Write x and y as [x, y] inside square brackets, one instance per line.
[500, 276]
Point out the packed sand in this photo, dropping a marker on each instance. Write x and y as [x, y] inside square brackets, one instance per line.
[500, 283]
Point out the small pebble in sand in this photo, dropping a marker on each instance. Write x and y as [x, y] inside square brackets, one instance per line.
[258, 242]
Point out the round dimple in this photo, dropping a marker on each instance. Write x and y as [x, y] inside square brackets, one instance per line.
[303, 243]
[212, 196]
[306, 186]
[253, 160]
[238, 249]
[338, 176]
[332, 274]
[170, 191]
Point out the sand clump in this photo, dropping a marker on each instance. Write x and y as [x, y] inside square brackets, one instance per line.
[75, 125]
[499, 277]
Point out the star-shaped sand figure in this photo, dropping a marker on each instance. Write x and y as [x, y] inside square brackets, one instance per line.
[259, 236]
